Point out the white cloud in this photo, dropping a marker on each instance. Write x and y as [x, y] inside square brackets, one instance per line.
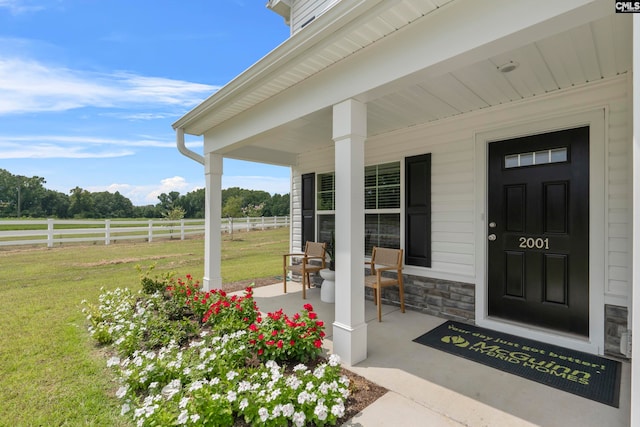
[148, 194]
[30, 86]
[19, 6]
[73, 147]
[51, 151]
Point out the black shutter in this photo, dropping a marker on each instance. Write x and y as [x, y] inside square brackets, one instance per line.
[418, 210]
[308, 208]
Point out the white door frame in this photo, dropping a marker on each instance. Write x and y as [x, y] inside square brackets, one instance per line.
[595, 119]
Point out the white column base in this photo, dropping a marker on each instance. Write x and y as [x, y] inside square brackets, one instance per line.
[350, 343]
[211, 283]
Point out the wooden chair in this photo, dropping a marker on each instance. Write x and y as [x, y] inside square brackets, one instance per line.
[385, 259]
[312, 251]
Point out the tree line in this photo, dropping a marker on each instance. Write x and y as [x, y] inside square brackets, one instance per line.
[22, 196]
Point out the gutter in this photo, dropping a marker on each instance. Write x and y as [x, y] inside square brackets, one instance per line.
[183, 148]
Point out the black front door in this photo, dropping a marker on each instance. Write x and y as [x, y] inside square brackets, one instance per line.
[538, 230]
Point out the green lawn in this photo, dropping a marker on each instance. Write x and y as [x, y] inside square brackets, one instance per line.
[50, 371]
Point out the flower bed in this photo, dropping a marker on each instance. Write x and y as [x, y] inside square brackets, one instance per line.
[189, 357]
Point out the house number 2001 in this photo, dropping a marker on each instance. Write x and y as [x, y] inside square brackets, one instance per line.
[531, 243]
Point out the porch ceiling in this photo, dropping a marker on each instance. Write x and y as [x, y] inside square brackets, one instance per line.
[597, 50]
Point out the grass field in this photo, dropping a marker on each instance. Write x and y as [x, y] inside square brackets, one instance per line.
[50, 371]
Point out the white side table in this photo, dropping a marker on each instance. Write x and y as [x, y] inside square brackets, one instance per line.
[328, 290]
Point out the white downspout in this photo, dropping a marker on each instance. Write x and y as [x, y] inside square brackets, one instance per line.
[183, 148]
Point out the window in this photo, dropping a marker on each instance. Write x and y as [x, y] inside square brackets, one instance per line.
[555, 155]
[382, 206]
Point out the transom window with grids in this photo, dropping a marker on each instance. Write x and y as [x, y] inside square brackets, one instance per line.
[382, 206]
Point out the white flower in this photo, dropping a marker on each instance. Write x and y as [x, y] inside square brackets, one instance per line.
[183, 402]
[183, 417]
[293, 382]
[195, 418]
[319, 372]
[231, 375]
[321, 411]
[324, 388]
[231, 396]
[287, 410]
[299, 419]
[196, 385]
[334, 360]
[244, 386]
[122, 392]
[303, 397]
[113, 361]
[264, 414]
[171, 389]
[271, 364]
[338, 410]
[125, 408]
[277, 411]
[244, 403]
[300, 367]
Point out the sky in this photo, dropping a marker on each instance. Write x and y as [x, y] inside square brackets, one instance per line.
[89, 90]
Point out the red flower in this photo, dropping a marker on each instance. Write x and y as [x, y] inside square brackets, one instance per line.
[261, 337]
[260, 351]
[253, 327]
[292, 343]
[308, 307]
[312, 315]
[317, 343]
[274, 333]
[270, 342]
[280, 343]
[319, 323]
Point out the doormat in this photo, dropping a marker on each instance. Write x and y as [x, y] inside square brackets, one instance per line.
[593, 377]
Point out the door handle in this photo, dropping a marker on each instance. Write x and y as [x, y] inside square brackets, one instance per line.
[492, 237]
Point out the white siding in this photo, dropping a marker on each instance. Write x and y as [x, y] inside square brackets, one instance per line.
[296, 212]
[454, 186]
[304, 10]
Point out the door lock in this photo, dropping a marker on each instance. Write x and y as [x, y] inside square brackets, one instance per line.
[492, 237]
[492, 224]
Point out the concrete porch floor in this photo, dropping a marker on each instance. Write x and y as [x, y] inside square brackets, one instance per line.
[428, 387]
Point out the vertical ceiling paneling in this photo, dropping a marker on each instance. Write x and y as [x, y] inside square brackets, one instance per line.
[560, 60]
[582, 40]
[604, 40]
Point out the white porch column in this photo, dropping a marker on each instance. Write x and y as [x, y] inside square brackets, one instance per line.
[212, 222]
[349, 328]
[635, 283]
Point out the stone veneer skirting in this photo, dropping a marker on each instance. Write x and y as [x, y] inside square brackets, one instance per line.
[615, 322]
[456, 301]
[441, 298]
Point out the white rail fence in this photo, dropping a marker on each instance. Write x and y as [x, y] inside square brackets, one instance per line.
[57, 231]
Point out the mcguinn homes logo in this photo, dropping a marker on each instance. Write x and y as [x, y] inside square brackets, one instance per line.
[543, 361]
